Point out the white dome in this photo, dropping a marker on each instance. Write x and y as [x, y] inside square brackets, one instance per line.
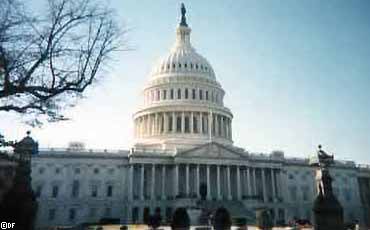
[183, 102]
[183, 59]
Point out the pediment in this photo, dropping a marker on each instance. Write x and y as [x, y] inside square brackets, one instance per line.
[211, 150]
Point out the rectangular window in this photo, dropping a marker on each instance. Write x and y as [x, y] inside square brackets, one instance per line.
[55, 191]
[171, 93]
[75, 188]
[109, 190]
[193, 94]
[207, 95]
[164, 94]
[158, 94]
[200, 95]
[72, 214]
[186, 94]
[51, 215]
[94, 190]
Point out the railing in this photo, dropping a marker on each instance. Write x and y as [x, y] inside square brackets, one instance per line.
[72, 150]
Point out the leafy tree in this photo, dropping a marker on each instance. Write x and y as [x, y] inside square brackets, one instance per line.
[48, 60]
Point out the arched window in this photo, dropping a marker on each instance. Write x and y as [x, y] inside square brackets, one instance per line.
[193, 94]
[179, 65]
[171, 94]
[178, 124]
[186, 94]
[200, 94]
[187, 124]
[186, 65]
[109, 190]
[158, 94]
[191, 65]
[196, 66]
[173, 65]
[179, 94]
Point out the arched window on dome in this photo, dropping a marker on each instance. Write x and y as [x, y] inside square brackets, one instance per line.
[191, 65]
[179, 65]
[196, 66]
[171, 94]
[179, 94]
[200, 94]
[187, 124]
[186, 65]
[178, 124]
[158, 95]
[195, 125]
[164, 94]
[207, 95]
[173, 66]
[206, 68]
[193, 94]
[201, 67]
[168, 66]
[186, 94]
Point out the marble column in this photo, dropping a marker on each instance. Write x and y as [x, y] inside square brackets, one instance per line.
[228, 183]
[208, 183]
[131, 183]
[197, 182]
[273, 185]
[165, 125]
[183, 122]
[155, 130]
[152, 193]
[191, 122]
[200, 123]
[216, 124]
[263, 185]
[254, 182]
[176, 184]
[222, 134]
[163, 182]
[142, 191]
[218, 183]
[248, 183]
[174, 120]
[238, 190]
[187, 180]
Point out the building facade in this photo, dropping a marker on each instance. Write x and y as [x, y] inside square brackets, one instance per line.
[184, 141]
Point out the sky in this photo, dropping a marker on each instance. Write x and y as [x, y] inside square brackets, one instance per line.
[296, 74]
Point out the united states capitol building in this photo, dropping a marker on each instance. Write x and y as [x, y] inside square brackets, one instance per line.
[184, 140]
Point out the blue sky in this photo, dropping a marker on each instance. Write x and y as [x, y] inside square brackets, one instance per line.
[296, 74]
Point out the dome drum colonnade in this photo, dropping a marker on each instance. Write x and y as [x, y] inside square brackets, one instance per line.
[183, 101]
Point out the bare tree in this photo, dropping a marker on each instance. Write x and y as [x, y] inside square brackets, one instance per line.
[47, 62]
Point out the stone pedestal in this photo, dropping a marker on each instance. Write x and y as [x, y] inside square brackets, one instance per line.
[328, 212]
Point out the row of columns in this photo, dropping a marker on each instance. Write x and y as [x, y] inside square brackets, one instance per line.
[249, 175]
[183, 122]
